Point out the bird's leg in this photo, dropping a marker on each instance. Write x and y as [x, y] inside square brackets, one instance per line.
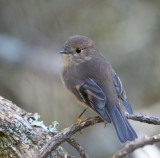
[79, 117]
[105, 123]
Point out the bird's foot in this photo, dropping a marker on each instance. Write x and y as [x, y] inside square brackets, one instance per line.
[79, 120]
[105, 124]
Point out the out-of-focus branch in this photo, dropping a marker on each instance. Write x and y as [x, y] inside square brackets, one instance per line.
[129, 148]
[68, 132]
[79, 148]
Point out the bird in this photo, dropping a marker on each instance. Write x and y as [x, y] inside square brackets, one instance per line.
[92, 81]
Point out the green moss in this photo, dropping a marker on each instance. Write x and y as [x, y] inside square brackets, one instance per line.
[23, 132]
[5, 143]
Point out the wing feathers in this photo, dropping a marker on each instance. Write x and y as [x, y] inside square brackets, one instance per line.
[121, 93]
[94, 97]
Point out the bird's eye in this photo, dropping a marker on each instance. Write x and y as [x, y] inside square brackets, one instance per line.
[78, 50]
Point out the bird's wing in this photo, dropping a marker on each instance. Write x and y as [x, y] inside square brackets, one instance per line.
[121, 93]
[94, 97]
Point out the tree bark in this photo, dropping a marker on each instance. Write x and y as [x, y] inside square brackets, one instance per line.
[18, 138]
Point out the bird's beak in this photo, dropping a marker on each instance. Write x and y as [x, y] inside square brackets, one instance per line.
[62, 52]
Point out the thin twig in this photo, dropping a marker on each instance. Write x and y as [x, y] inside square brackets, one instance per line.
[79, 148]
[68, 132]
[129, 148]
[143, 118]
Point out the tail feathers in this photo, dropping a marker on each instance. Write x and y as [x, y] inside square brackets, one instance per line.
[124, 130]
[131, 131]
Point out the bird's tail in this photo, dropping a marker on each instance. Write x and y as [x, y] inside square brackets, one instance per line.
[123, 128]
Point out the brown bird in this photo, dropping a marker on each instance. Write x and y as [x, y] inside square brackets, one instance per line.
[90, 78]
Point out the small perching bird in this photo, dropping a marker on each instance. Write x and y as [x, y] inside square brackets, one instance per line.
[92, 81]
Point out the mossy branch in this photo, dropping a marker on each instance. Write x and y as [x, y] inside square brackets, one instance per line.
[22, 135]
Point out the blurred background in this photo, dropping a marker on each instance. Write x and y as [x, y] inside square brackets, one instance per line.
[126, 31]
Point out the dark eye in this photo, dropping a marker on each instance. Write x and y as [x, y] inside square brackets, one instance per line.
[78, 50]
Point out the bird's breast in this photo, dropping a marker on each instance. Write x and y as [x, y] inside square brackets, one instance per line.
[97, 69]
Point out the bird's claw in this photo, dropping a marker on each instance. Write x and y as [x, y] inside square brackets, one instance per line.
[105, 124]
[79, 120]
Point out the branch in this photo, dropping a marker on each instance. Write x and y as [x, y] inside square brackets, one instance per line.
[68, 132]
[79, 148]
[65, 134]
[18, 137]
[23, 135]
[143, 118]
[129, 148]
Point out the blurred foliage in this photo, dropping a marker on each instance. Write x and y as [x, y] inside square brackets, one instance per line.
[127, 32]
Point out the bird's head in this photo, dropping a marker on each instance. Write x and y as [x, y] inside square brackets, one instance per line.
[78, 49]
